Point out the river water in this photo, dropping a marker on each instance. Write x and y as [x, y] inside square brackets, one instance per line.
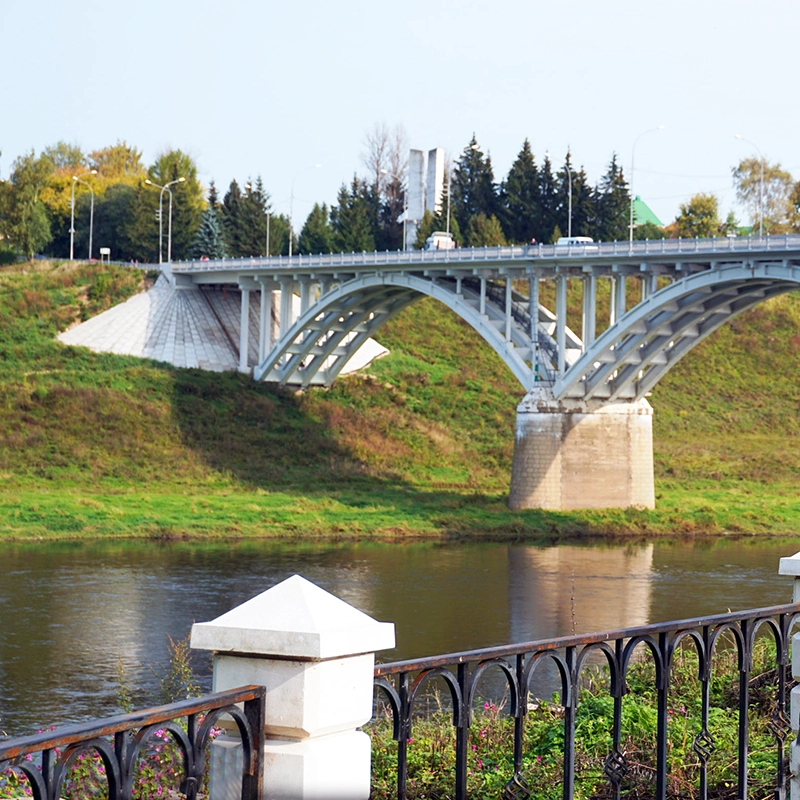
[69, 613]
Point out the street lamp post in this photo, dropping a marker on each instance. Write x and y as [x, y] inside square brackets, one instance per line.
[77, 179]
[630, 183]
[760, 185]
[164, 188]
[291, 203]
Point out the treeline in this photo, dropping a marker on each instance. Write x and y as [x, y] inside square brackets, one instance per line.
[117, 201]
[531, 203]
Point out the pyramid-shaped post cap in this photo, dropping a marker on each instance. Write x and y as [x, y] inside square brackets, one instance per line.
[790, 565]
[295, 619]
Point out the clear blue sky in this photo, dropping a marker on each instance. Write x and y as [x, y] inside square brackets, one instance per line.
[250, 87]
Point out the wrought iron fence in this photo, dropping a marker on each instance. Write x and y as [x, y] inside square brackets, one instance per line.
[402, 685]
[47, 758]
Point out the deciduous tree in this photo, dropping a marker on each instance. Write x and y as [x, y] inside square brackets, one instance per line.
[187, 198]
[699, 216]
[776, 193]
[24, 219]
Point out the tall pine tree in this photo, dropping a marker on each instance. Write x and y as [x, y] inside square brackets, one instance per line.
[473, 185]
[317, 234]
[352, 219]
[548, 201]
[519, 198]
[584, 217]
[565, 196]
[209, 242]
[231, 210]
[613, 203]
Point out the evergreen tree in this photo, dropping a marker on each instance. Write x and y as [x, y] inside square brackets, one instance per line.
[427, 225]
[431, 222]
[649, 230]
[548, 201]
[232, 220]
[484, 231]
[473, 185]
[518, 203]
[390, 224]
[613, 204]
[351, 220]
[253, 208]
[564, 186]
[213, 196]
[583, 211]
[317, 234]
[279, 236]
[209, 241]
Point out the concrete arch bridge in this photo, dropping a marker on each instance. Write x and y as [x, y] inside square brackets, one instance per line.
[584, 427]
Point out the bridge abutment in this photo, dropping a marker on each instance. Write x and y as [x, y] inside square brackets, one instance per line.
[582, 454]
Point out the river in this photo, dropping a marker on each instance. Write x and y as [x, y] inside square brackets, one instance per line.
[70, 613]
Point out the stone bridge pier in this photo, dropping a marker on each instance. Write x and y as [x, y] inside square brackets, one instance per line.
[582, 453]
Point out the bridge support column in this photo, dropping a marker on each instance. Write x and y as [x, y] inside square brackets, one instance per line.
[572, 454]
[244, 331]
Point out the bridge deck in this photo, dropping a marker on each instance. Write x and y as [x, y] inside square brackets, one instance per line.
[602, 257]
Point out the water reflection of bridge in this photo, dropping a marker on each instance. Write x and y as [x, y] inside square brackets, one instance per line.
[556, 591]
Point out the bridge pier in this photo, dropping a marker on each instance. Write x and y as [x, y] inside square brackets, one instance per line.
[582, 454]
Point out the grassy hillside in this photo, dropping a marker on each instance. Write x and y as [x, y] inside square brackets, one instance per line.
[422, 445]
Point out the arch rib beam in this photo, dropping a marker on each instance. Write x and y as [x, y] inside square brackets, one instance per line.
[657, 355]
[626, 351]
[363, 328]
[354, 319]
[360, 298]
[654, 375]
[699, 295]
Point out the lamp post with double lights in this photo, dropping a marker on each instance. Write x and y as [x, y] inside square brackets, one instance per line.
[291, 203]
[760, 185]
[164, 188]
[630, 183]
[77, 179]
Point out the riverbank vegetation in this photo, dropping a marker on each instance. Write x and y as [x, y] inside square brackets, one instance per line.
[420, 445]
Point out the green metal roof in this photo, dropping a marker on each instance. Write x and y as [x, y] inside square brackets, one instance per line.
[643, 213]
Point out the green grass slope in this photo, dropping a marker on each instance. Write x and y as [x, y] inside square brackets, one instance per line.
[98, 445]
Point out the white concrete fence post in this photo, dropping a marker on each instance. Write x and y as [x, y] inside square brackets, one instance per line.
[315, 654]
[791, 566]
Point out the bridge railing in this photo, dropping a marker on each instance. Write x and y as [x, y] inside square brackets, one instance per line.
[698, 722]
[364, 260]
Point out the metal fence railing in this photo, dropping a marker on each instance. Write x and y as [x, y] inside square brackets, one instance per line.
[401, 687]
[47, 760]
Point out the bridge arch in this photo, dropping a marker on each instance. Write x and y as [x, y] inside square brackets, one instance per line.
[631, 356]
[322, 340]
